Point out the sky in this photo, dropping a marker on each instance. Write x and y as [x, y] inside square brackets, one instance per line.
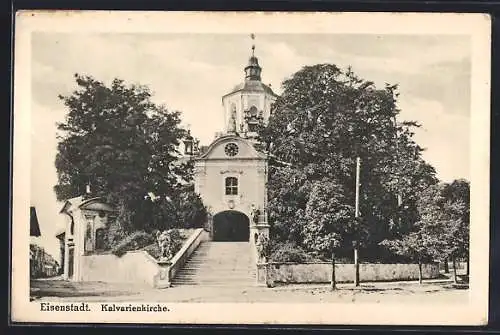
[191, 72]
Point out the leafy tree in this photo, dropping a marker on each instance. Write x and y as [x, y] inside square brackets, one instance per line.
[329, 224]
[324, 119]
[184, 209]
[422, 241]
[122, 144]
[329, 219]
[418, 245]
[288, 192]
[457, 210]
[451, 208]
[442, 228]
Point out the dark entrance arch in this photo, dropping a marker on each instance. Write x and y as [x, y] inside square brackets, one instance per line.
[231, 226]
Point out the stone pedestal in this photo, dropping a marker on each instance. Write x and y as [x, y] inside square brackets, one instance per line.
[163, 280]
[256, 230]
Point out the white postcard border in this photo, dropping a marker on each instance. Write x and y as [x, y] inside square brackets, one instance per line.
[475, 25]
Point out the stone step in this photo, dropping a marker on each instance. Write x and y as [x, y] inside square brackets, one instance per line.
[228, 273]
[219, 264]
[220, 284]
[222, 270]
[215, 269]
[234, 285]
[215, 274]
[215, 280]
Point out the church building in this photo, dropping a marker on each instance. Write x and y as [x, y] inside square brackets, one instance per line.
[231, 175]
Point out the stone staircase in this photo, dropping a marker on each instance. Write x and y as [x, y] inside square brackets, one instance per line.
[219, 264]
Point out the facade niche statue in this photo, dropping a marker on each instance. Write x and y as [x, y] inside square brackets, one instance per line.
[232, 122]
[255, 213]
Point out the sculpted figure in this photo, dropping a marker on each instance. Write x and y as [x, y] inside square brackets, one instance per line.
[262, 245]
[232, 122]
[163, 243]
[254, 214]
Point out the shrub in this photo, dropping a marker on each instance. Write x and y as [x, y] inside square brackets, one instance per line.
[135, 241]
[153, 249]
[176, 241]
[289, 252]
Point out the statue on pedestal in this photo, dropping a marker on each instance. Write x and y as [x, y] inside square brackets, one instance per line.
[255, 213]
[262, 245]
[163, 240]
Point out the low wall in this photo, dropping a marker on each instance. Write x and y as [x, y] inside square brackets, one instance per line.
[136, 267]
[344, 273]
[182, 256]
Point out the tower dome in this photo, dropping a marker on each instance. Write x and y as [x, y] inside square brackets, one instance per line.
[253, 69]
[248, 105]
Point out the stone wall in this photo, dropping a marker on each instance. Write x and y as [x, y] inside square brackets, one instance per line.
[136, 267]
[344, 273]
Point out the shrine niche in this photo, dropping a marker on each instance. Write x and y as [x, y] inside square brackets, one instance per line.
[96, 230]
[86, 232]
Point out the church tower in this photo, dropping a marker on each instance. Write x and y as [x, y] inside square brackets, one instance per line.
[231, 175]
[248, 105]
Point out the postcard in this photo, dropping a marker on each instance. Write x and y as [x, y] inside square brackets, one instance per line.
[251, 168]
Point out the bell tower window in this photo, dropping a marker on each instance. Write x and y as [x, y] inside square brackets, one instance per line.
[253, 119]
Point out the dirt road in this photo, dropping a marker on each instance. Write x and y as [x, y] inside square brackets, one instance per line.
[411, 292]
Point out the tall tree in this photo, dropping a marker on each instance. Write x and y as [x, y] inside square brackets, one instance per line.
[451, 208]
[324, 119]
[328, 219]
[421, 240]
[119, 142]
[441, 229]
[328, 222]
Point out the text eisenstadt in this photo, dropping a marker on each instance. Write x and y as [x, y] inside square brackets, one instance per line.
[84, 307]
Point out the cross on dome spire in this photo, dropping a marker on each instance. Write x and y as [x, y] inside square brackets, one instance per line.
[253, 70]
[253, 44]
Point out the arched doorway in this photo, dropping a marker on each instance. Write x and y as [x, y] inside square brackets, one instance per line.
[231, 226]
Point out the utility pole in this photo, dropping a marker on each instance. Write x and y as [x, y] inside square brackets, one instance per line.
[356, 214]
[398, 160]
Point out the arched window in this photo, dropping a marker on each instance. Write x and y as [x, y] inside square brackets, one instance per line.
[231, 186]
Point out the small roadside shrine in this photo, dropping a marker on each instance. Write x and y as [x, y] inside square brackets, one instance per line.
[86, 230]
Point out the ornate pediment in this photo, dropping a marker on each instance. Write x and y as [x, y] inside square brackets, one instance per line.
[230, 147]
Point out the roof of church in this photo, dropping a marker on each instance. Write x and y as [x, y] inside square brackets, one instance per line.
[226, 137]
[252, 86]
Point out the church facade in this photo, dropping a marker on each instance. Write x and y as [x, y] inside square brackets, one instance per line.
[231, 175]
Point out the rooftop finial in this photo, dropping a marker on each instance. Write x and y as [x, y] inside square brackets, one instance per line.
[252, 70]
[253, 44]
